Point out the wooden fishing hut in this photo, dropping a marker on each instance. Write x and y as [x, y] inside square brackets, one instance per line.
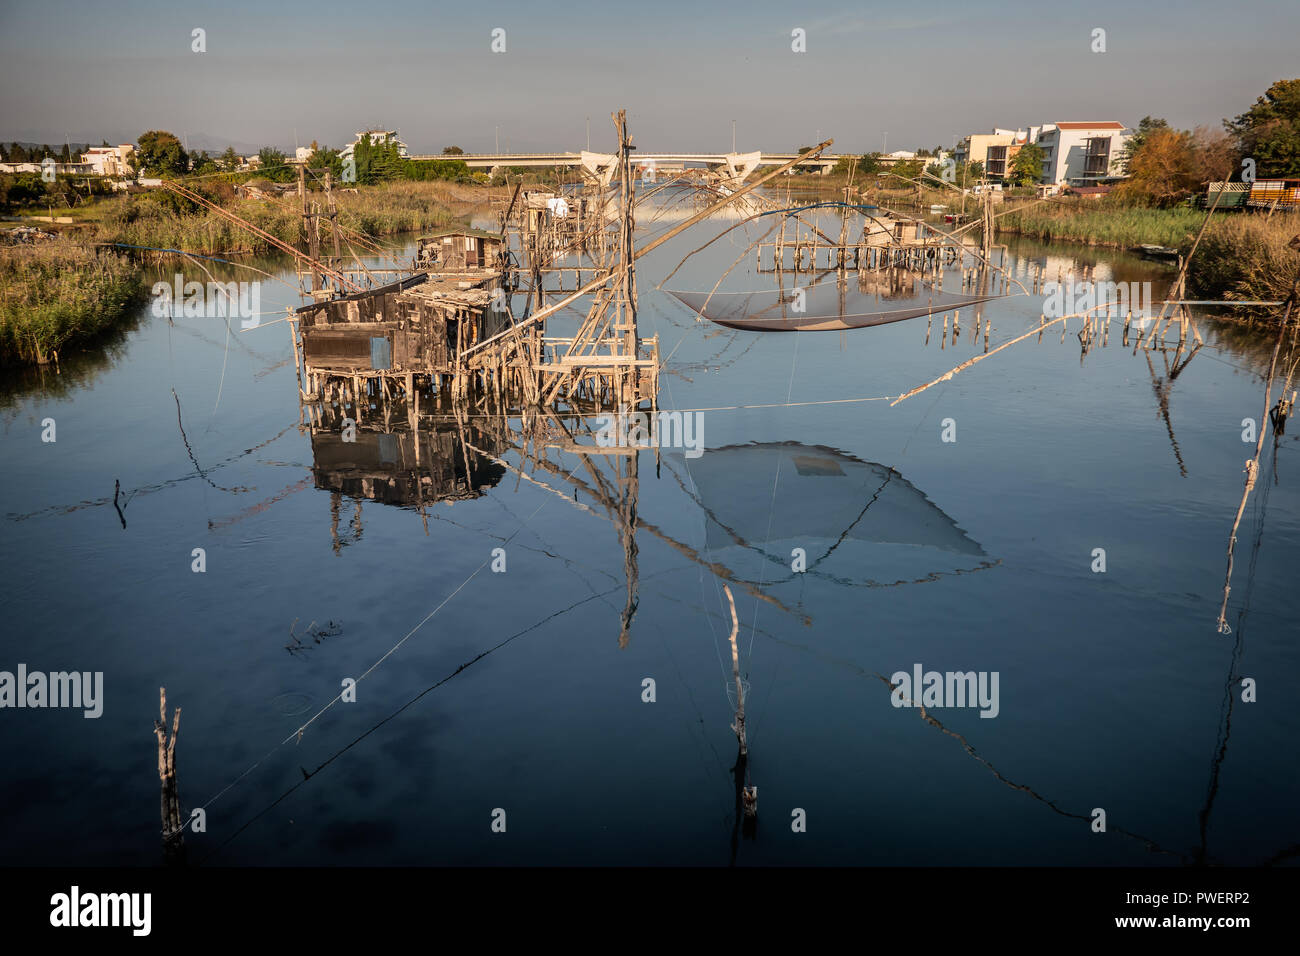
[417, 326]
[460, 250]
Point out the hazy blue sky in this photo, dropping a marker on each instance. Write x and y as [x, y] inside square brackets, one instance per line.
[922, 72]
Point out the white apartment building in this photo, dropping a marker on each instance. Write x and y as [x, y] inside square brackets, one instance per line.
[377, 136]
[1081, 153]
[109, 160]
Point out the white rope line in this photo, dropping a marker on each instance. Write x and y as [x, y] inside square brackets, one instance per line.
[297, 734]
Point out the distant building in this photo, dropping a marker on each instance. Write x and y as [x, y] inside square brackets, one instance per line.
[377, 137]
[995, 150]
[1082, 153]
[975, 147]
[896, 157]
[60, 169]
[109, 160]
[303, 153]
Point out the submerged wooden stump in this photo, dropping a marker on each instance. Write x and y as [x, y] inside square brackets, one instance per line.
[172, 829]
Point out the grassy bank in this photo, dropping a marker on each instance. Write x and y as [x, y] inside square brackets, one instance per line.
[1100, 223]
[59, 293]
[71, 290]
[155, 220]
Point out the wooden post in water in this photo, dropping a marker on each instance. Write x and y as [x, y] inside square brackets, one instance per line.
[750, 793]
[172, 830]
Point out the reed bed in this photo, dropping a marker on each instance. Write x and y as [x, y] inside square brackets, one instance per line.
[1102, 223]
[1247, 257]
[59, 293]
[156, 221]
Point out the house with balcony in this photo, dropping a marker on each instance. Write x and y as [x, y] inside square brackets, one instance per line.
[109, 160]
[1082, 153]
[995, 149]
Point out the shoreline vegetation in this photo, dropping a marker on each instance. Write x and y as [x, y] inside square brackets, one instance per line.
[59, 292]
[70, 290]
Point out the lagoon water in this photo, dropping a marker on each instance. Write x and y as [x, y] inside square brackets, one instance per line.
[1115, 689]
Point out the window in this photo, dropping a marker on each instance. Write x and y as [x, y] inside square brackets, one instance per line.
[997, 161]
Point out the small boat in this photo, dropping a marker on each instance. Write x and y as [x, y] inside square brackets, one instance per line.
[1164, 253]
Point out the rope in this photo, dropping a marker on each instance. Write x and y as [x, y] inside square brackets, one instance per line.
[297, 735]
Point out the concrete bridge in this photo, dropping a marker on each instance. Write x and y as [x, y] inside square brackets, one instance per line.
[493, 161]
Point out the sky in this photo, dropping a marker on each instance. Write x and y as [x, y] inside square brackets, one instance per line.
[873, 75]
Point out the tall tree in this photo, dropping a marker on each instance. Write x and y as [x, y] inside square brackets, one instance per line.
[161, 154]
[1269, 132]
[230, 160]
[1147, 126]
[1027, 165]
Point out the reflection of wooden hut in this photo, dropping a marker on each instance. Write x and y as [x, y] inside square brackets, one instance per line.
[401, 467]
[417, 326]
[460, 250]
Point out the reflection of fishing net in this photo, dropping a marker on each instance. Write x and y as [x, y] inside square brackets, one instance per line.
[875, 299]
[823, 495]
[831, 516]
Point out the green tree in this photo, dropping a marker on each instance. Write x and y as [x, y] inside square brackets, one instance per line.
[18, 153]
[161, 154]
[452, 151]
[65, 154]
[203, 164]
[1269, 132]
[273, 161]
[908, 168]
[229, 160]
[1027, 165]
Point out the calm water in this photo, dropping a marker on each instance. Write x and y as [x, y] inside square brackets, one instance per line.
[967, 555]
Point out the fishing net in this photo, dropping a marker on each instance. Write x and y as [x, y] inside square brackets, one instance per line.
[875, 299]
